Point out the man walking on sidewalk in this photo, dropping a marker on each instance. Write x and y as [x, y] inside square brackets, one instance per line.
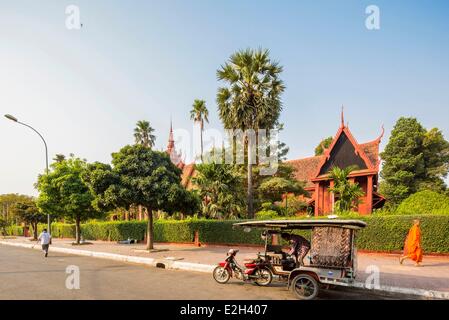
[44, 238]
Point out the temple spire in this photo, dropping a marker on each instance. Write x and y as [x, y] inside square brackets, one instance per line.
[342, 116]
[175, 157]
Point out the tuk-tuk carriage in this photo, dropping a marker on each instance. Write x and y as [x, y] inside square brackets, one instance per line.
[332, 256]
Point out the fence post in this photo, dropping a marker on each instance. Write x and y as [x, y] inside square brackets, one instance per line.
[197, 239]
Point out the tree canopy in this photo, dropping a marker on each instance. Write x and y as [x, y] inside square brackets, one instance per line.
[63, 193]
[414, 159]
[346, 193]
[220, 188]
[143, 134]
[324, 144]
[28, 212]
[140, 176]
[251, 98]
[200, 114]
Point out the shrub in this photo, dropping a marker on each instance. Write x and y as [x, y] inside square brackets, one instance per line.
[266, 215]
[383, 232]
[425, 202]
[14, 230]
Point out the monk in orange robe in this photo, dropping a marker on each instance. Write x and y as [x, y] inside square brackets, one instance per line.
[412, 246]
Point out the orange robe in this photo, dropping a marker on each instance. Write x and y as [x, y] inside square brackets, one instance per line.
[412, 247]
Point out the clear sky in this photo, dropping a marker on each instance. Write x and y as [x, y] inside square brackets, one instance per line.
[132, 60]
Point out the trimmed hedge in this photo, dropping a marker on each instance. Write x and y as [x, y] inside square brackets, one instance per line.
[14, 231]
[425, 202]
[387, 233]
[383, 233]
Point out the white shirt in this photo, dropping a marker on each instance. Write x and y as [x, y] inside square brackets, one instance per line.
[44, 237]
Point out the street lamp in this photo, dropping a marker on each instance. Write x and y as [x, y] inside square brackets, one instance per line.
[12, 118]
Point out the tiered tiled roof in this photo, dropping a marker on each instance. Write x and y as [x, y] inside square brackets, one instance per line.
[371, 149]
[306, 168]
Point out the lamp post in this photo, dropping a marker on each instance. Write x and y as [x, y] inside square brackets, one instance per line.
[12, 118]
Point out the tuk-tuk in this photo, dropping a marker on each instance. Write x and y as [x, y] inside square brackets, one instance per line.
[332, 256]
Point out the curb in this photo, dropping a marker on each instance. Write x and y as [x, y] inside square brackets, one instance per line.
[158, 263]
[206, 268]
[406, 291]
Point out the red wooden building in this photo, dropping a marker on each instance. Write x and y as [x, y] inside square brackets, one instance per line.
[344, 151]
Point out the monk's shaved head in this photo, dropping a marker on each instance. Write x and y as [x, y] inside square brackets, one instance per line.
[416, 221]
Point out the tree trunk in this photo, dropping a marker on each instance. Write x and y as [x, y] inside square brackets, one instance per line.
[150, 241]
[140, 213]
[78, 230]
[201, 142]
[34, 226]
[250, 186]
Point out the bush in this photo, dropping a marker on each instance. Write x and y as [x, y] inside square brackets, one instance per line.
[14, 230]
[383, 232]
[425, 202]
[266, 215]
[387, 233]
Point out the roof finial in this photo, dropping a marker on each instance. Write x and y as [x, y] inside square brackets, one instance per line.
[382, 134]
[342, 116]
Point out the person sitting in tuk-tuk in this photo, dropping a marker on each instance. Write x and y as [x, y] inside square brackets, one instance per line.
[299, 246]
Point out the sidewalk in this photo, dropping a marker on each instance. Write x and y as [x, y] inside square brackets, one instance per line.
[432, 276]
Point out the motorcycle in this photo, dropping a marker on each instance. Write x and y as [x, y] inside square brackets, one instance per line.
[255, 270]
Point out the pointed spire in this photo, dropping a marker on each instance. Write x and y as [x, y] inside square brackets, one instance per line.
[382, 134]
[171, 140]
[342, 116]
[170, 137]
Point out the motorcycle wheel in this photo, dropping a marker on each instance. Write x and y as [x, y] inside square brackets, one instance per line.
[264, 277]
[221, 275]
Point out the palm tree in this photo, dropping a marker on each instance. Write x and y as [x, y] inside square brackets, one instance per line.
[251, 99]
[59, 158]
[219, 187]
[143, 134]
[348, 193]
[200, 114]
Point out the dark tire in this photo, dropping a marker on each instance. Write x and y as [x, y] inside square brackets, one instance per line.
[221, 275]
[305, 287]
[265, 277]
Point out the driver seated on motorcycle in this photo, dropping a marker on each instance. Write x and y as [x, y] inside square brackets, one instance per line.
[299, 247]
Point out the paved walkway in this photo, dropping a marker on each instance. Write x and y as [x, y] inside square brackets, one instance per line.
[433, 275]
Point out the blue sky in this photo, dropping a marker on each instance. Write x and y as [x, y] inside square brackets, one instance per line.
[85, 89]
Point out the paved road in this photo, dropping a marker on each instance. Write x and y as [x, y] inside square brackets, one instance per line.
[26, 274]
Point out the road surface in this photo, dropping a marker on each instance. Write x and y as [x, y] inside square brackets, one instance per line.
[26, 274]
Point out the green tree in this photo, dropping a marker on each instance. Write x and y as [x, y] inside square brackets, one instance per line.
[274, 188]
[63, 192]
[143, 134]
[140, 176]
[283, 149]
[7, 203]
[29, 213]
[436, 159]
[200, 114]
[59, 157]
[414, 159]
[220, 188]
[324, 144]
[347, 193]
[251, 98]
